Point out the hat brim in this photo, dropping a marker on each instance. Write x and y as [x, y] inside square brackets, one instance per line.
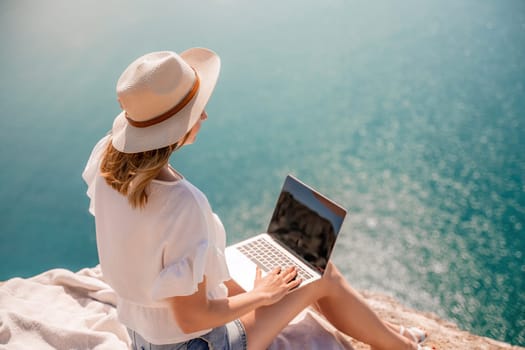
[129, 139]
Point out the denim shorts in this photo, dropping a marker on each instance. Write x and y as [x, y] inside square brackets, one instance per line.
[231, 336]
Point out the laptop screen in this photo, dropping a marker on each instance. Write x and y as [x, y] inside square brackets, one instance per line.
[306, 222]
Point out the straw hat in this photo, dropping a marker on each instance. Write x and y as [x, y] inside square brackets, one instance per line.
[162, 95]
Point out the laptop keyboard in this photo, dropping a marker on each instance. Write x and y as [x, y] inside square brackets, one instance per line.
[267, 257]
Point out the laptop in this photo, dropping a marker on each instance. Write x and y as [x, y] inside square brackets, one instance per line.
[302, 232]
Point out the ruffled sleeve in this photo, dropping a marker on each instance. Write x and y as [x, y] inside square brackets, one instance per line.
[92, 168]
[218, 269]
[182, 277]
[192, 251]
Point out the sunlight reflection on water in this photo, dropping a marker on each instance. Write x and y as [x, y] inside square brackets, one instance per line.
[409, 114]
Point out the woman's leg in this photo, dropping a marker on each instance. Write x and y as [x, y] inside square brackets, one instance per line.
[264, 324]
[338, 302]
[348, 311]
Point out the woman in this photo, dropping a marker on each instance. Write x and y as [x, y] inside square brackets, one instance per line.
[160, 245]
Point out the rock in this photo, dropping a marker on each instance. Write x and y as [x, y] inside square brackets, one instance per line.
[444, 335]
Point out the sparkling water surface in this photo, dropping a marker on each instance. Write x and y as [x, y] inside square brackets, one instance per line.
[409, 113]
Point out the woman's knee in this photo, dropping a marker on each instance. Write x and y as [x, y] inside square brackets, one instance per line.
[332, 276]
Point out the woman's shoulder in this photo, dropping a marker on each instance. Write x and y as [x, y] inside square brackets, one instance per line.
[98, 149]
[195, 193]
[92, 165]
[182, 192]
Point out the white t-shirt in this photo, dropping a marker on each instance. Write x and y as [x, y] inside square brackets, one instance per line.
[150, 254]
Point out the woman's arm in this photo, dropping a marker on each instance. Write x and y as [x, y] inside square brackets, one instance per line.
[196, 312]
[233, 288]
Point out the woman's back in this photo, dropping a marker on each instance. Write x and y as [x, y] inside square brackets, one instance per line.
[152, 253]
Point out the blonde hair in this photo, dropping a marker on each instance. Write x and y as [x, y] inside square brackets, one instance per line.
[131, 173]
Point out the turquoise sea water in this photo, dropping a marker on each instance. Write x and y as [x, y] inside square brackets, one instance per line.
[410, 113]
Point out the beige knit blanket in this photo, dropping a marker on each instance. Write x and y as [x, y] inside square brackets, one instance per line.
[60, 309]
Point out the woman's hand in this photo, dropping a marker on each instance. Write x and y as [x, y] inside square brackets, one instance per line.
[276, 284]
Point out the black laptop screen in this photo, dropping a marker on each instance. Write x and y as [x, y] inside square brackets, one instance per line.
[306, 222]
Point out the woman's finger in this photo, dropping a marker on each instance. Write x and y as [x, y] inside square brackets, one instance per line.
[295, 283]
[291, 273]
[258, 273]
[288, 269]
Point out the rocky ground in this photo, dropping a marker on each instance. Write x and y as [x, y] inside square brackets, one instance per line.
[443, 335]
